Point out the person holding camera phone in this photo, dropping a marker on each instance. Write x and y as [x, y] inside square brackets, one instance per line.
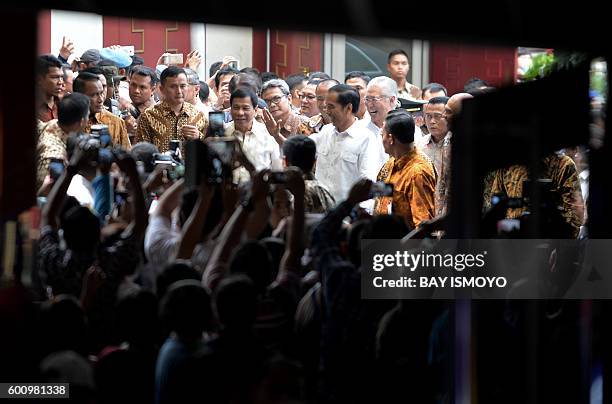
[409, 171]
[73, 112]
[173, 118]
[257, 145]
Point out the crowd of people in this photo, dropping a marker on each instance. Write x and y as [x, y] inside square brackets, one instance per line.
[244, 286]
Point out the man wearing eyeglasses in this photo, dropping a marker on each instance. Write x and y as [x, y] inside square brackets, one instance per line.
[280, 120]
[308, 98]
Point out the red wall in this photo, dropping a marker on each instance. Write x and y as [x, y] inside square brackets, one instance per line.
[453, 64]
[44, 32]
[293, 52]
[149, 38]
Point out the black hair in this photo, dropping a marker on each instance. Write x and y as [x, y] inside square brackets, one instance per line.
[400, 124]
[397, 52]
[171, 71]
[213, 68]
[45, 62]
[253, 259]
[186, 309]
[145, 71]
[244, 92]
[93, 70]
[438, 100]
[473, 84]
[204, 91]
[176, 271]
[300, 151]
[144, 151]
[434, 88]
[357, 75]
[347, 95]
[327, 81]
[235, 302]
[251, 70]
[267, 76]
[72, 108]
[223, 72]
[79, 83]
[245, 80]
[319, 75]
[81, 229]
[294, 80]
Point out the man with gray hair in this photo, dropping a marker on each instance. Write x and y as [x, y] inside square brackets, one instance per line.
[192, 92]
[279, 118]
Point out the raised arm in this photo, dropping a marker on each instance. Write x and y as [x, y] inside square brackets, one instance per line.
[192, 229]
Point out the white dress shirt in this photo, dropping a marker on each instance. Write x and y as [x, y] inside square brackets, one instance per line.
[258, 146]
[345, 157]
[376, 138]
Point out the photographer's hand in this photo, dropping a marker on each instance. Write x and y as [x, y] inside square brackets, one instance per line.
[360, 191]
[194, 59]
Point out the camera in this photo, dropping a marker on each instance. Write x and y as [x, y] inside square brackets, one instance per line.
[204, 163]
[173, 59]
[381, 189]
[174, 168]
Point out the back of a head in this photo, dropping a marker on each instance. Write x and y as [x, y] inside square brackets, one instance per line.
[81, 229]
[63, 320]
[301, 152]
[385, 227]
[137, 320]
[186, 310]
[204, 91]
[235, 302]
[72, 108]
[473, 84]
[176, 271]
[400, 124]
[354, 236]
[253, 259]
[45, 62]
[319, 75]
[267, 76]
[247, 80]
[144, 152]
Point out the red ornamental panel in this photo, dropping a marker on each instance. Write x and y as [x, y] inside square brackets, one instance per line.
[294, 52]
[150, 38]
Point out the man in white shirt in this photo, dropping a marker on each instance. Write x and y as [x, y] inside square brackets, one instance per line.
[346, 151]
[257, 144]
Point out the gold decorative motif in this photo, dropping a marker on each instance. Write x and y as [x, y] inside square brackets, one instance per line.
[284, 46]
[142, 37]
[171, 29]
[305, 69]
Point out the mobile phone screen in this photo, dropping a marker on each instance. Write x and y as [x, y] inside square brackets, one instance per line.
[216, 121]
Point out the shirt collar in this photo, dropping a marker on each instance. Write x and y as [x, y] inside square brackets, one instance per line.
[166, 110]
[355, 125]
